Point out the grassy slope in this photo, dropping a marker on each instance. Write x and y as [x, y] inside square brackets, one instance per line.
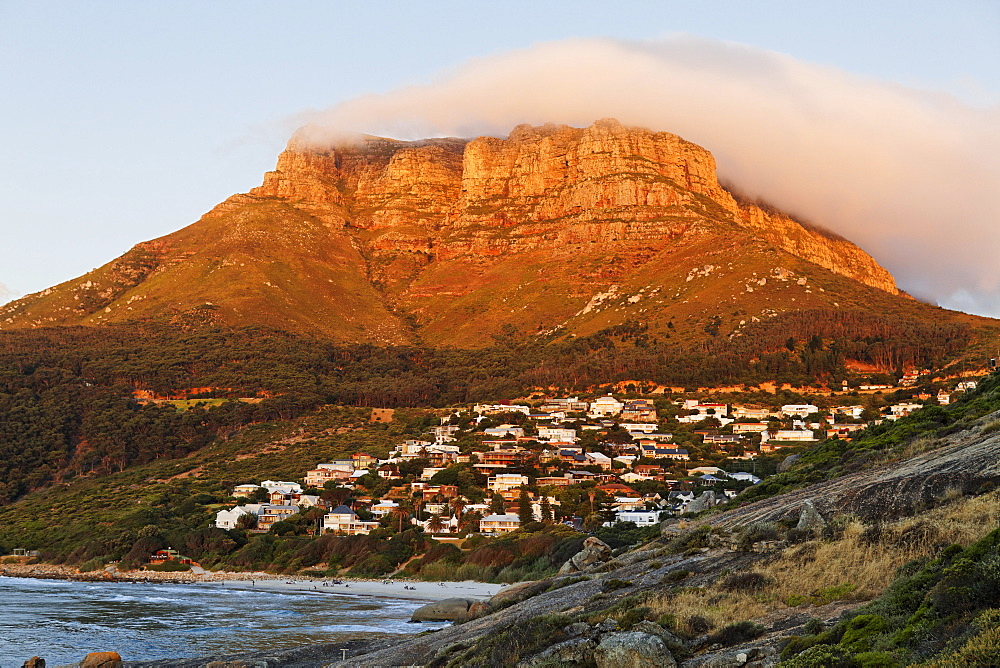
[70, 514]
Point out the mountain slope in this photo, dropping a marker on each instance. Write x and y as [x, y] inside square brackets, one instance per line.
[448, 241]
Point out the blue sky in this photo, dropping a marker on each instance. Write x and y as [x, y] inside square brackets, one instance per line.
[124, 121]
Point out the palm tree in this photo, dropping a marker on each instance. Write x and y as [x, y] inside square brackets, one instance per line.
[401, 512]
[435, 524]
[458, 503]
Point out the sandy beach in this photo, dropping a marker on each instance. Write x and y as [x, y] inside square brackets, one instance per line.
[407, 589]
[417, 590]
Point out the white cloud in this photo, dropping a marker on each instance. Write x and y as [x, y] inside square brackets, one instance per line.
[911, 176]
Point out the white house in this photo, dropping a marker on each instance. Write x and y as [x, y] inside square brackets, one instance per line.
[798, 410]
[245, 491]
[227, 519]
[788, 435]
[344, 520]
[383, 508]
[503, 482]
[283, 487]
[556, 434]
[505, 431]
[606, 406]
[639, 427]
[499, 524]
[643, 518]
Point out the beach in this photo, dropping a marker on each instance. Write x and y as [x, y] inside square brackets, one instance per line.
[402, 589]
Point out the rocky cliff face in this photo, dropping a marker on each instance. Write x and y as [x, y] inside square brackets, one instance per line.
[450, 240]
[556, 183]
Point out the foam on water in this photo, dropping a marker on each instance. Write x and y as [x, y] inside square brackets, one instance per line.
[62, 621]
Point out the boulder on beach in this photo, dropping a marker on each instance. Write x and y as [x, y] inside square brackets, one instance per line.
[34, 662]
[102, 660]
[447, 610]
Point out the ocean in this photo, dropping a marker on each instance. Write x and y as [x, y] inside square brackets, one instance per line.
[62, 621]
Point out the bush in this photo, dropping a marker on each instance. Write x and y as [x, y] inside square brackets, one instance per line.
[747, 582]
[614, 584]
[734, 634]
[671, 577]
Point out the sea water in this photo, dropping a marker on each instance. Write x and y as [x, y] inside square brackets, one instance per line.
[62, 621]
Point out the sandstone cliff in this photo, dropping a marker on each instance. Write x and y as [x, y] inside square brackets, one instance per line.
[552, 230]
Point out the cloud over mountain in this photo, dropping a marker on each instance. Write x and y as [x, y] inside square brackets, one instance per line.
[911, 176]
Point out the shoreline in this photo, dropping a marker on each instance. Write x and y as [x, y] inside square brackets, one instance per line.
[416, 589]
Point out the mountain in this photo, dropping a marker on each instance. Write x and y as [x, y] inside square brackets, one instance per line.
[554, 230]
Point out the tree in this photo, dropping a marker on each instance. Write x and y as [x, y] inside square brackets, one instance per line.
[497, 505]
[435, 524]
[546, 510]
[524, 512]
[458, 503]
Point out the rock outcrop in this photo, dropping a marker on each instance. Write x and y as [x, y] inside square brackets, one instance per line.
[551, 229]
[447, 610]
[633, 650]
[594, 551]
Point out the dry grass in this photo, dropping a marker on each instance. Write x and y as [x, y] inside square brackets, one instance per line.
[857, 566]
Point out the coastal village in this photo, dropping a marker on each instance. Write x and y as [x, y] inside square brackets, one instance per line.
[492, 468]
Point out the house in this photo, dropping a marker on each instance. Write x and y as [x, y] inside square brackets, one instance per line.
[497, 524]
[943, 398]
[442, 491]
[270, 514]
[505, 431]
[897, 411]
[568, 404]
[711, 470]
[746, 412]
[642, 518]
[362, 460]
[324, 473]
[555, 481]
[656, 452]
[344, 520]
[503, 458]
[606, 407]
[309, 501]
[388, 472]
[383, 508]
[749, 427]
[599, 459]
[228, 519]
[444, 434]
[639, 409]
[284, 487]
[555, 434]
[722, 439]
[639, 427]
[245, 491]
[744, 476]
[801, 435]
[798, 410]
[169, 554]
[506, 481]
[491, 409]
